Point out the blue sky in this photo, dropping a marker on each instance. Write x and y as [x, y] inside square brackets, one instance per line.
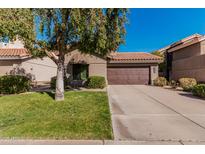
[151, 29]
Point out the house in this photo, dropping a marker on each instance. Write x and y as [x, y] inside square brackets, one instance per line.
[186, 58]
[117, 68]
[15, 59]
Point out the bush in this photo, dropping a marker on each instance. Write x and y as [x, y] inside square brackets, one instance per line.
[172, 83]
[14, 84]
[96, 82]
[160, 81]
[199, 90]
[187, 83]
[53, 82]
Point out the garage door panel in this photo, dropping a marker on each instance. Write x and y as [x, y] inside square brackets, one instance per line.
[135, 75]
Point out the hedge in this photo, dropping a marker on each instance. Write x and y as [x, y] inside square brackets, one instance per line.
[96, 82]
[199, 90]
[14, 84]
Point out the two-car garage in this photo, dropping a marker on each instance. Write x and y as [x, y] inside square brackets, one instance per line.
[132, 68]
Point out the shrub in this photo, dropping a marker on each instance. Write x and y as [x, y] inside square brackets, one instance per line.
[187, 83]
[53, 82]
[96, 82]
[160, 81]
[199, 90]
[172, 83]
[12, 84]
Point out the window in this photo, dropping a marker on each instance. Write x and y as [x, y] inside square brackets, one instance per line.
[80, 71]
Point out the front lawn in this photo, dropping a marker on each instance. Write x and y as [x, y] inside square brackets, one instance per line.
[83, 115]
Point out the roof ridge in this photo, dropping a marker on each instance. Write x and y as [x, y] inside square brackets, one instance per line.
[129, 56]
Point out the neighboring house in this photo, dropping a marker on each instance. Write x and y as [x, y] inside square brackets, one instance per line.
[186, 58]
[15, 59]
[117, 68]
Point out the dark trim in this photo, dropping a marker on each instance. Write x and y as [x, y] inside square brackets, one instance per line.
[168, 61]
[149, 75]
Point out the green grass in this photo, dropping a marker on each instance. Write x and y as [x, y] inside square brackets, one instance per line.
[83, 115]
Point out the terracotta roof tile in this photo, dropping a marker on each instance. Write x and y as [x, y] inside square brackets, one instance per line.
[125, 56]
[14, 52]
[192, 39]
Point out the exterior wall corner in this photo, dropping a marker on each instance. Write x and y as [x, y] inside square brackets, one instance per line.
[154, 73]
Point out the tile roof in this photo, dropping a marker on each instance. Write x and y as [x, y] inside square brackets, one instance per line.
[186, 42]
[18, 53]
[192, 39]
[14, 52]
[127, 56]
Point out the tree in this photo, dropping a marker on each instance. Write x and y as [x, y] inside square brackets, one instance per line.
[158, 53]
[162, 65]
[17, 23]
[94, 31]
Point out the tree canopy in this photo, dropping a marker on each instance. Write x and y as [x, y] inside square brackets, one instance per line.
[17, 23]
[158, 53]
[90, 30]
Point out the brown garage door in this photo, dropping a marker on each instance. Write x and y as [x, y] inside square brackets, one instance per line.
[133, 75]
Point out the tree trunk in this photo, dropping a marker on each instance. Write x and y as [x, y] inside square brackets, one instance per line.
[59, 95]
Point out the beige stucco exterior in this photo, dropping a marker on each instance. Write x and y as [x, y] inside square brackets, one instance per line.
[6, 66]
[41, 69]
[96, 66]
[154, 73]
[189, 62]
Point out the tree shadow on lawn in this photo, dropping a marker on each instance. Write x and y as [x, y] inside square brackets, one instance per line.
[49, 93]
[52, 93]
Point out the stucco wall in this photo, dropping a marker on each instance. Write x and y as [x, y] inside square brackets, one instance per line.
[77, 57]
[202, 47]
[189, 67]
[41, 69]
[7, 66]
[189, 62]
[154, 73]
[192, 50]
[97, 66]
[98, 69]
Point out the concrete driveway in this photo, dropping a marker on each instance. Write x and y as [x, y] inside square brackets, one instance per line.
[152, 115]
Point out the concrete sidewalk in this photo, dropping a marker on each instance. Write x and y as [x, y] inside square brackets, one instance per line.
[91, 142]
